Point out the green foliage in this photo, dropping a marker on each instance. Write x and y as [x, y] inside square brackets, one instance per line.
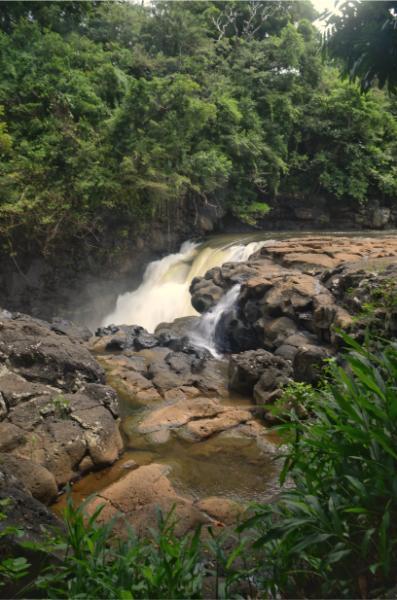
[60, 406]
[294, 402]
[363, 36]
[330, 533]
[333, 533]
[12, 568]
[5, 138]
[97, 565]
[250, 213]
[115, 112]
[338, 150]
[378, 311]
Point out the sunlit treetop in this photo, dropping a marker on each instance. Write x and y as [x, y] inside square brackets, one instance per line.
[363, 36]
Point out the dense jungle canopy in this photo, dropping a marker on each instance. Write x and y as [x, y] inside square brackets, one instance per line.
[109, 110]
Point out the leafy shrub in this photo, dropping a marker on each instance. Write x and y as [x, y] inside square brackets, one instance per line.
[294, 402]
[378, 312]
[334, 533]
[96, 565]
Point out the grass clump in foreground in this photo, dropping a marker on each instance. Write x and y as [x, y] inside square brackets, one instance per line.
[332, 533]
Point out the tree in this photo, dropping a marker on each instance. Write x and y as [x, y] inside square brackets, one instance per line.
[363, 37]
[115, 113]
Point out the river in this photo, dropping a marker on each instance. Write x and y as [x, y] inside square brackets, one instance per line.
[228, 464]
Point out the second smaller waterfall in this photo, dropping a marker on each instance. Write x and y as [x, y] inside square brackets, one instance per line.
[203, 334]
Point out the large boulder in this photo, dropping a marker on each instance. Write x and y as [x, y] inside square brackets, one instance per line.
[309, 363]
[179, 328]
[37, 479]
[248, 368]
[36, 352]
[57, 419]
[366, 289]
[70, 329]
[24, 512]
[129, 377]
[64, 432]
[178, 369]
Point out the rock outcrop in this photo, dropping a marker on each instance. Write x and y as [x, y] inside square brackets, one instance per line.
[57, 418]
[296, 294]
[59, 415]
[171, 368]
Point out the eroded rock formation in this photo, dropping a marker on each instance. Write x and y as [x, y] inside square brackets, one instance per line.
[57, 418]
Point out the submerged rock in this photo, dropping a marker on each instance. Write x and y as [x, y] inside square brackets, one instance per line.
[139, 495]
[224, 510]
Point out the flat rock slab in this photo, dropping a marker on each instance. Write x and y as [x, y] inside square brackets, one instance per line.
[137, 497]
[192, 420]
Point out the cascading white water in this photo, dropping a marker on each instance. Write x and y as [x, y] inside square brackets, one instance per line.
[203, 334]
[164, 292]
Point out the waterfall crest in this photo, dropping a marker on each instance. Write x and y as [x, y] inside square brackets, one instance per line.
[163, 294]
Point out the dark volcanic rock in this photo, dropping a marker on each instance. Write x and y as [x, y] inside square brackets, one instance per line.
[29, 521]
[179, 328]
[309, 362]
[179, 369]
[70, 329]
[36, 478]
[248, 368]
[37, 353]
[124, 337]
[295, 294]
[55, 411]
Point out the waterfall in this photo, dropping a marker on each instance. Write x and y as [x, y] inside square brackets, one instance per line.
[163, 294]
[204, 333]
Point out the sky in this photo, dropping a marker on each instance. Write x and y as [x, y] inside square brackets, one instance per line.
[322, 5]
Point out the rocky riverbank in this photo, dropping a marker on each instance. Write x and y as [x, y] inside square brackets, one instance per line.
[70, 403]
[58, 419]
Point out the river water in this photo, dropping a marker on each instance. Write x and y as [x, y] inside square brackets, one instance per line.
[229, 464]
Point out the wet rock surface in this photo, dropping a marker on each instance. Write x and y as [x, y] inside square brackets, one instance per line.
[139, 495]
[181, 425]
[164, 371]
[293, 296]
[58, 419]
[296, 294]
